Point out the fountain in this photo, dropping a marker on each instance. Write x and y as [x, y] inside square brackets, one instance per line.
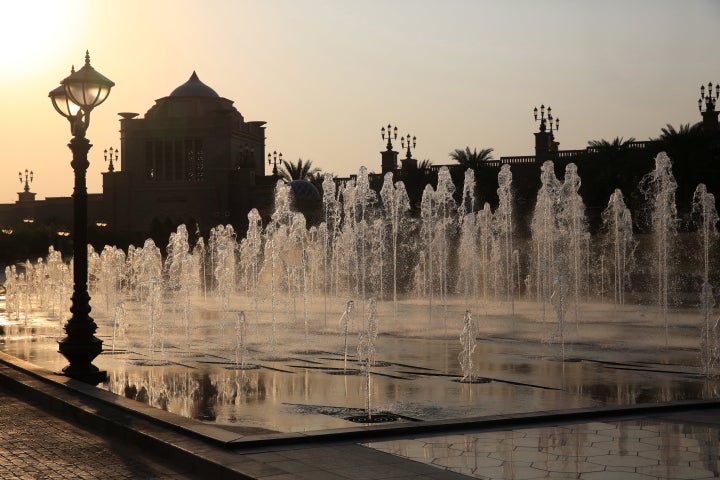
[659, 188]
[235, 330]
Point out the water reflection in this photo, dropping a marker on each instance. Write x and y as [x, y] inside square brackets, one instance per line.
[649, 449]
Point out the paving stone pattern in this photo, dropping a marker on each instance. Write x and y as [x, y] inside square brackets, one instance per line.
[588, 451]
[37, 445]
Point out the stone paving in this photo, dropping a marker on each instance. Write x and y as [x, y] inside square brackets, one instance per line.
[35, 444]
[634, 449]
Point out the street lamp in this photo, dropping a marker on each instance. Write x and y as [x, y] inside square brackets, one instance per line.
[403, 142]
[74, 99]
[544, 121]
[110, 158]
[274, 159]
[390, 134]
[28, 179]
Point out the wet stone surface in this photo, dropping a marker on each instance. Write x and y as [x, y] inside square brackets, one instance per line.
[589, 451]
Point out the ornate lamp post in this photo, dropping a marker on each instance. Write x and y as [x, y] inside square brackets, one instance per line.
[74, 99]
[28, 179]
[390, 133]
[110, 158]
[709, 99]
[709, 113]
[274, 159]
[403, 141]
[545, 121]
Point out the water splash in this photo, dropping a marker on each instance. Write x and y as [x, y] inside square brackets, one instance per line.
[366, 352]
[658, 187]
[618, 226]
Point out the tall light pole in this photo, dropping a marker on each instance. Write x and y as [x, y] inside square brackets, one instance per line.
[74, 99]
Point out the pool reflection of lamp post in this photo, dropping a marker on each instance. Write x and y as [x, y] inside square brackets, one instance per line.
[74, 99]
[61, 235]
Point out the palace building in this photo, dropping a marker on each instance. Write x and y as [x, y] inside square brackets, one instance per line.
[192, 159]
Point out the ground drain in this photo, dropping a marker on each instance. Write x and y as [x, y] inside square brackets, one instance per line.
[375, 418]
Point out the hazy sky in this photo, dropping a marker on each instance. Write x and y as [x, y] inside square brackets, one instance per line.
[327, 74]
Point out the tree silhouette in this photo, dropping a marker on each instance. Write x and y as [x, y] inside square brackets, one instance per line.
[425, 164]
[685, 132]
[297, 171]
[472, 159]
[614, 146]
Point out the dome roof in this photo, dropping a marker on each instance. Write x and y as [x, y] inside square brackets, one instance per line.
[194, 88]
[304, 190]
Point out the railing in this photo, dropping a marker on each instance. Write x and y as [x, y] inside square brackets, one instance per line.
[515, 160]
[572, 153]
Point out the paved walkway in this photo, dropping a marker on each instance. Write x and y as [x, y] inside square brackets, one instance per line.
[35, 444]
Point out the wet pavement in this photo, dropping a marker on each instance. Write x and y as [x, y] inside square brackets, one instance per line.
[53, 427]
[681, 445]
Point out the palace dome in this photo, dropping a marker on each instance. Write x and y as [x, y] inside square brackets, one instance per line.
[194, 88]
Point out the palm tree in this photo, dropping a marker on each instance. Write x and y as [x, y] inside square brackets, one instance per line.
[297, 171]
[687, 131]
[472, 159]
[425, 164]
[614, 146]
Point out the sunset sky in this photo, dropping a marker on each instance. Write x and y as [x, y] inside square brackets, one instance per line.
[327, 74]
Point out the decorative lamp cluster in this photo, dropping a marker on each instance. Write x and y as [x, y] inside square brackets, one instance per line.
[406, 140]
[28, 179]
[709, 99]
[545, 121]
[391, 135]
[274, 159]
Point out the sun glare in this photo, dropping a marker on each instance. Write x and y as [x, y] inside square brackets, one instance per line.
[31, 34]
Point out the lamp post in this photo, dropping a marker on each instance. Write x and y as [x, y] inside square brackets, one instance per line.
[28, 179]
[113, 155]
[274, 159]
[390, 134]
[406, 140]
[709, 99]
[74, 99]
[545, 121]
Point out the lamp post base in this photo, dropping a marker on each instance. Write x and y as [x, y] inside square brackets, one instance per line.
[80, 354]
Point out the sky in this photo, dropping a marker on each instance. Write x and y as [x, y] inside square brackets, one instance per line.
[326, 75]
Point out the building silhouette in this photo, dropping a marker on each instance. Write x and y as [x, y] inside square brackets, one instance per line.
[192, 158]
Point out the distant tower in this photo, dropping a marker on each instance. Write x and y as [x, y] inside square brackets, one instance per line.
[389, 156]
[709, 113]
[545, 145]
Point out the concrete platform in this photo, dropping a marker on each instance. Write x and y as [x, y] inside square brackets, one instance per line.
[54, 427]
